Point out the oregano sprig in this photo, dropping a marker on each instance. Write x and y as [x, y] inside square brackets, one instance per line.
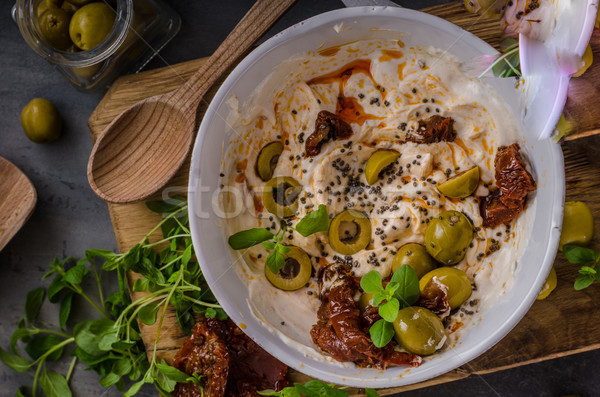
[401, 291]
[313, 222]
[590, 259]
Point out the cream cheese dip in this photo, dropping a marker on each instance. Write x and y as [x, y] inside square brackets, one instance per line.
[382, 89]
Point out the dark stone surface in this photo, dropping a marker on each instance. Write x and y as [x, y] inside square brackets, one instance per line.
[69, 218]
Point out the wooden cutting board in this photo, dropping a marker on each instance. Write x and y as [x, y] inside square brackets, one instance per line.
[562, 324]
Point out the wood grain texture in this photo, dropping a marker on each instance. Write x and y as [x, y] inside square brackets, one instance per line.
[560, 325]
[144, 146]
[17, 200]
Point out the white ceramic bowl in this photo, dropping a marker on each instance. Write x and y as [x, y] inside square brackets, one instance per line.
[211, 245]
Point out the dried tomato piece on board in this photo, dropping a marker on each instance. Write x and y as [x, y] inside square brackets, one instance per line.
[327, 126]
[205, 353]
[434, 129]
[512, 177]
[494, 212]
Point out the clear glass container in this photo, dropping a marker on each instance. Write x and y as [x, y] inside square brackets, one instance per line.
[141, 29]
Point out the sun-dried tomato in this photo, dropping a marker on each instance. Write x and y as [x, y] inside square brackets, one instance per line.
[434, 129]
[512, 177]
[327, 126]
[494, 212]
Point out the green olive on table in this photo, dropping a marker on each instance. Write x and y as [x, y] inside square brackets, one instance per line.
[54, 27]
[377, 162]
[91, 24]
[448, 236]
[578, 224]
[349, 232]
[267, 160]
[549, 285]
[294, 274]
[462, 185]
[418, 330]
[280, 196]
[416, 256]
[457, 281]
[41, 121]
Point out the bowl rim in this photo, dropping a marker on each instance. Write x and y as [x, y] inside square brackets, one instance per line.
[556, 161]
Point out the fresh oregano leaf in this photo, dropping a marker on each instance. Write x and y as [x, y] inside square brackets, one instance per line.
[54, 384]
[39, 346]
[56, 286]
[269, 245]
[65, 310]
[76, 274]
[371, 393]
[579, 255]
[109, 379]
[249, 238]
[408, 291]
[172, 373]
[141, 284]
[314, 221]
[14, 361]
[20, 333]
[282, 249]
[21, 392]
[87, 334]
[275, 262]
[33, 303]
[381, 333]
[583, 281]
[148, 314]
[371, 282]
[389, 310]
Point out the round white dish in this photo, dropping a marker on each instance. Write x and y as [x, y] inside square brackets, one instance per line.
[216, 259]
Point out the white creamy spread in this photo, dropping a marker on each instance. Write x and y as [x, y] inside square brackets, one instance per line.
[391, 87]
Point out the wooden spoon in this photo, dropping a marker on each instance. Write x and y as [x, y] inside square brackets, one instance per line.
[144, 147]
[17, 200]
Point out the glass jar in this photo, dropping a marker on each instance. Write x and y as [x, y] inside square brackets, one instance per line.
[141, 29]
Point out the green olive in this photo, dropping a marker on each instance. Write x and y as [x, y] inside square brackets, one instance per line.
[366, 299]
[267, 160]
[91, 24]
[578, 224]
[41, 121]
[53, 3]
[69, 7]
[280, 196]
[87, 72]
[549, 285]
[462, 185]
[54, 27]
[294, 274]
[448, 236]
[41, 8]
[349, 232]
[415, 256]
[419, 331]
[377, 162]
[457, 281]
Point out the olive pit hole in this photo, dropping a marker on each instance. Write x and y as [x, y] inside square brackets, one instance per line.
[290, 269]
[348, 231]
[285, 194]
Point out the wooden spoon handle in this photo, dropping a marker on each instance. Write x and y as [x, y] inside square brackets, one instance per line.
[254, 24]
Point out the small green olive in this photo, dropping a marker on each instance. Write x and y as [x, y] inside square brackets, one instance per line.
[280, 196]
[295, 272]
[415, 256]
[377, 162]
[54, 27]
[366, 299]
[91, 24]
[462, 185]
[69, 7]
[448, 236]
[578, 224]
[419, 331]
[41, 121]
[549, 285]
[267, 160]
[349, 232]
[457, 281]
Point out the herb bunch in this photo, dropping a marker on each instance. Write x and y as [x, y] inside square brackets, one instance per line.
[507, 63]
[111, 344]
[402, 291]
[590, 259]
[313, 222]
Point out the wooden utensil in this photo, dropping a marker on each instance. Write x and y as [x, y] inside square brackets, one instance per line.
[144, 147]
[17, 200]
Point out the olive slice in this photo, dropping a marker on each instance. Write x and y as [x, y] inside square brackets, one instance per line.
[457, 281]
[267, 160]
[294, 274]
[419, 331]
[448, 236]
[280, 196]
[349, 232]
[377, 162]
[415, 256]
[462, 185]
[578, 224]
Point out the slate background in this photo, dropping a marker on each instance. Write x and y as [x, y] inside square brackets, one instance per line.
[69, 218]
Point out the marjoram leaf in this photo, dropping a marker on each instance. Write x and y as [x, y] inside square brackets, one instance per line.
[381, 333]
[389, 310]
[371, 282]
[579, 255]
[314, 221]
[249, 238]
[408, 291]
[275, 262]
[33, 303]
